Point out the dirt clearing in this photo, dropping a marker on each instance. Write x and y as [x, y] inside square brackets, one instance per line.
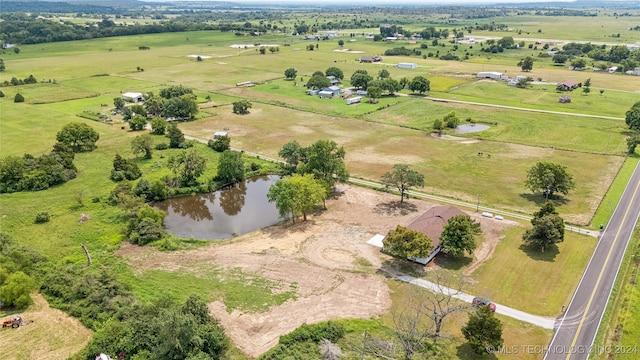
[326, 258]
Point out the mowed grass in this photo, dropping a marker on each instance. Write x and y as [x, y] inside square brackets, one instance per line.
[549, 281]
[610, 201]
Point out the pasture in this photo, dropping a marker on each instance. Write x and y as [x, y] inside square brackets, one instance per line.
[87, 75]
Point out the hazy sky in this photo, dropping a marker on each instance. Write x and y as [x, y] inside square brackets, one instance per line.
[390, 2]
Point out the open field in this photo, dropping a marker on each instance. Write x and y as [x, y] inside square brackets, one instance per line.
[267, 283]
[49, 334]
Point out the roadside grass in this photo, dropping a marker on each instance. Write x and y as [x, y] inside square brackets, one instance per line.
[620, 325]
[610, 200]
[549, 281]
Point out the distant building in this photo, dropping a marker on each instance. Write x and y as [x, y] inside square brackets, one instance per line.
[354, 100]
[403, 65]
[490, 75]
[333, 80]
[334, 90]
[218, 134]
[132, 97]
[370, 58]
[569, 85]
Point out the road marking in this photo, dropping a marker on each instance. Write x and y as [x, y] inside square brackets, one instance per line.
[593, 292]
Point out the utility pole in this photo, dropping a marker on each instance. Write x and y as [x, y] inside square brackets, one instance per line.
[478, 204]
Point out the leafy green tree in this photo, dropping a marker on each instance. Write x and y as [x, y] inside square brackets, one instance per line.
[175, 135]
[1, 94]
[451, 120]
[404, 82]
[124, 169]
[420, 84]
[549, 178]
[632, 117]
[293, 154]
[12, 171]
[374, 92]
[133, 110]
[297, 195]
[526, 64]
[560, 58]
[78, 136]
[548, 228]
[137, 122]
[360, 79]
[506, 42]
[18, 98]
[458, 236]
[175, 91]
[15, 291]
[483, 331]
[230, 167]
[384, 74]
[118, 103]
[221, 144]
[586, 86]
[242, 107]
[579, 63]
[341, 43]
[2, 66]
[158, 126]
[403, 243]
[632, 142]
[334, 71]
[188, 166]
[325, 160]
[318, 82]
[154, 104]
[290, 73]
[182, 107]
[403, 179]
[143, 144]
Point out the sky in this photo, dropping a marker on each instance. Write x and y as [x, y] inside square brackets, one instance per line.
[388, 2]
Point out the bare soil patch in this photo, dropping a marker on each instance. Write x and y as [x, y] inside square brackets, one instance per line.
[326, 258]
[49, 334]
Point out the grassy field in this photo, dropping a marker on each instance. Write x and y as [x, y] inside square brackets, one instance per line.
[86, 76]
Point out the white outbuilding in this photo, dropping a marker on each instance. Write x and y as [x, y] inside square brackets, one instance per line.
[132, 97]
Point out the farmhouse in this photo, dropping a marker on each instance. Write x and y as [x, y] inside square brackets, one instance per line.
[370, 59]
[568, 85]
[403, 65]
[490, 75]
[431, 223]
[334, 90]
[333, 80]
[132, 97]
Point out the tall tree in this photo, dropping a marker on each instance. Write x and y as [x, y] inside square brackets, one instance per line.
[188, 166]
[137, 122]
[325, 160]
[118, 103]
[403, 179]
[318, 82]
[458, 236]
[383, 74]
[230, 167]
[549, 178]
[360, 79]
[220, 144]
[483, 331]
[242, 107]
[293, 154]
[78, 136]
[336, 72]
[403, 243]
[283, 194]
[548, 228]
[158, 126]
[175, 135]
[420, 84]
[526, 64]
[632, 117]
[297, 195]
[143, 144]
[290, 73]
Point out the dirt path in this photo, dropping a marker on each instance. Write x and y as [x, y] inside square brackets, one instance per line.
[326, 259]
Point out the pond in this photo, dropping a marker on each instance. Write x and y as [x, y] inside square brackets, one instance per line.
[470, 128]
[222, 214]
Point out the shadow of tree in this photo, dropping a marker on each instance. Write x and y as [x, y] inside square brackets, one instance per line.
[452, 263]
[395, 208]
[539, 199]
[286, 227]
[465, 351]
[394, 267]
[534, 252]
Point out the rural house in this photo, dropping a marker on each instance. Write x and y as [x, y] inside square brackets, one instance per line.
[568, 85]
[370, 59]
[333, 80]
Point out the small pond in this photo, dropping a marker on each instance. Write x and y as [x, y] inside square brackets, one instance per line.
[222, 214]
[470, 128]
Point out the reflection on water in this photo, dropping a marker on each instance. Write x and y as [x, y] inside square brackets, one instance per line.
[219, 215]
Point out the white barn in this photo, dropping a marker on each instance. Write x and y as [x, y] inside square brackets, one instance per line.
[132, 97]
[406, 65]
[489, 75]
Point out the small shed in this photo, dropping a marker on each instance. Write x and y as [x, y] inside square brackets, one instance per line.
[354, 100]
[333, 80]
[335, 90]
[313, 92]
[218, 134]
[403, 65]
[489, 75]
[569, 85]
[370, 59]
[325, 94]
[132, 97]
[564, 99]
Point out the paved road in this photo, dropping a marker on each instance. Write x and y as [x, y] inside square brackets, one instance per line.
[577, 329]
[544, 322]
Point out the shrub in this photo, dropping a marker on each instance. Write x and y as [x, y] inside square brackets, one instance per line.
[42, 218]
[162, 146]
[18, 98]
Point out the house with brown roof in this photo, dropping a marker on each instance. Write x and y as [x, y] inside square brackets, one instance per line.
[370, 58]
[569, 85]
[432, 223]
